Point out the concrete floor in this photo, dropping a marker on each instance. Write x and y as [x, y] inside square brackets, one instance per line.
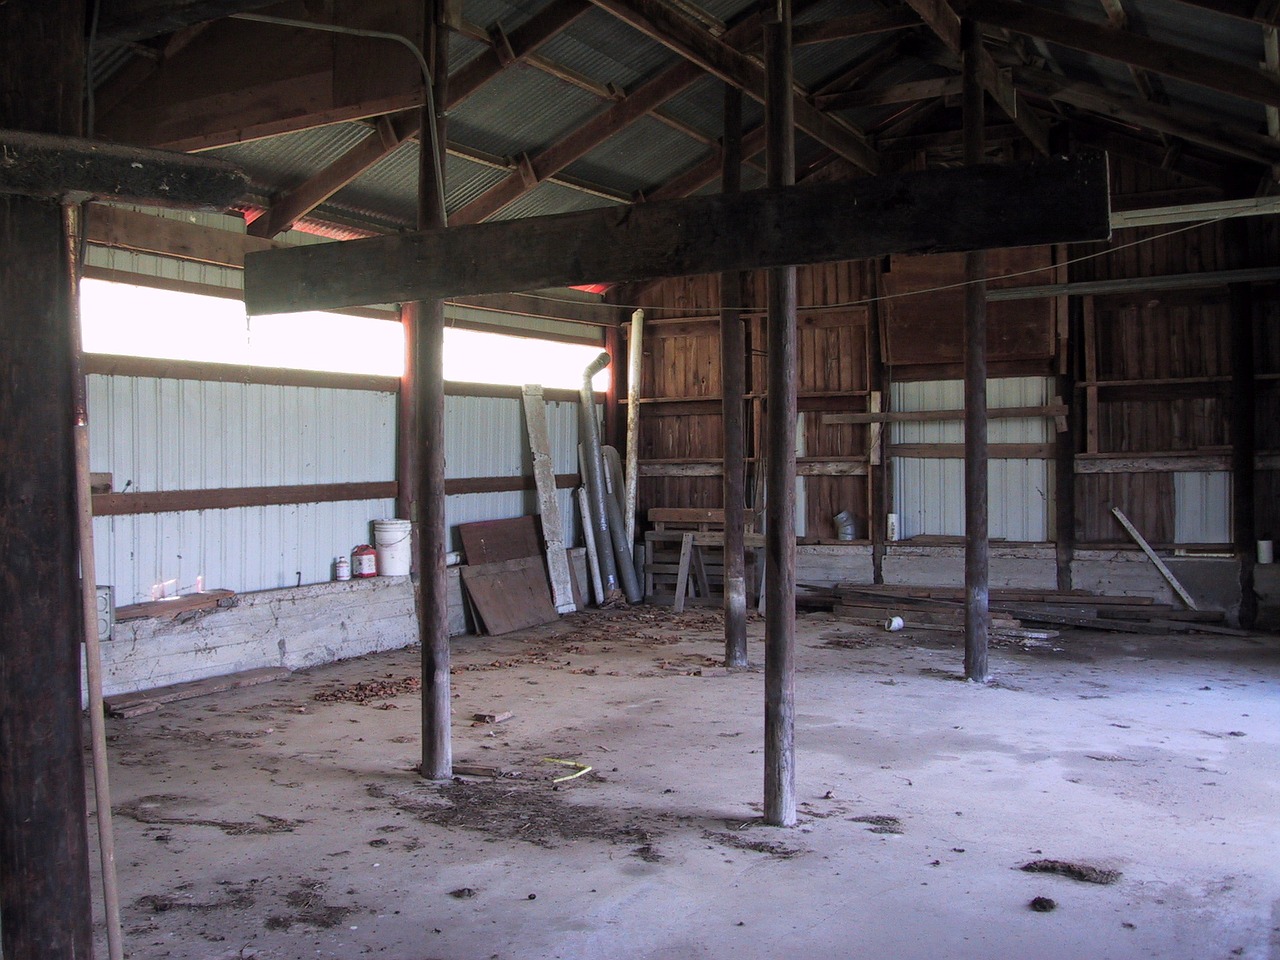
[266, 823]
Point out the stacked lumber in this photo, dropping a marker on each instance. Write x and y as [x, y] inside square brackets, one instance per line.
[1012, 608]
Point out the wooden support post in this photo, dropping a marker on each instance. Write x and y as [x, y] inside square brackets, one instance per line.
[733, 374]
[1064, 486]
[44, 856]
[780, 538]
[1243, 438]
[879, 499]
[977, 619]
[635, 374]
[433, 600]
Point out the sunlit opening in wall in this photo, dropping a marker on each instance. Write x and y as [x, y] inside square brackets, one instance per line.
[139, 321]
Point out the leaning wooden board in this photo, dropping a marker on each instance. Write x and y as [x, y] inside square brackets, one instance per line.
[510, 595]
[492, 541]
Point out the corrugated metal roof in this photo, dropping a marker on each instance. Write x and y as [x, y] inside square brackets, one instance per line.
[603, 48]
[521, 111]
[641, 156]
[524, 109]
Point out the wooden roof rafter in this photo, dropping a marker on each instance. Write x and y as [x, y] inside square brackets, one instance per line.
[1097, 39]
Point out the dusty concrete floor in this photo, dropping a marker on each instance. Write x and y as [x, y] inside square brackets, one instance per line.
[266, 823]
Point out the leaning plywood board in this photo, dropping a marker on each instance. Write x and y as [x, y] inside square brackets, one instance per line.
[493, 541]
[1165, 572]
[535, 412]
[510, 595]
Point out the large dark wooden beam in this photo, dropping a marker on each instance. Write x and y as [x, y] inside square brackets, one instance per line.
[1225, 76]
[899, 93]
[684, 36]
[73, 169]
[44, 859]
[1047, 201]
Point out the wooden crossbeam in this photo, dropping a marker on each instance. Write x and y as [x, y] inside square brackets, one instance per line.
[1100, 40]
[661, 23]
[641, 101]
[1240, 9]
[899, 93]
[1195, 126]
[1054, 200]
[73, 169]
[944, 22]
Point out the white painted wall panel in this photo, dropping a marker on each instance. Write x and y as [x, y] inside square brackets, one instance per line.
[1202, 507]
[156, 434]
[245, 549]
[929, 493]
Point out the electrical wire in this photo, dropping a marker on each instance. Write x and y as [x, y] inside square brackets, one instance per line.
[437, 156]
[866, 301]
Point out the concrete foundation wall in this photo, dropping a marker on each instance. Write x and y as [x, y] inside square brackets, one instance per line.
[294, 628]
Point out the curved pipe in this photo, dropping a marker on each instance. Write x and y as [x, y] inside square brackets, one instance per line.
[594, 478]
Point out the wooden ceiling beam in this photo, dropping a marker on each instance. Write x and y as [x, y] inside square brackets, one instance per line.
[945, 24]
[1100, 40]
[644, 100]
[1055, 200]
[1257, 12]
[390, 132]
[131, 20]
[1208, 130]
[899, 93]
[521, 43]
[690, 40]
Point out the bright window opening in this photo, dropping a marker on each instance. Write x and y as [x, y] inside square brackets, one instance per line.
[145, 322]
[476, 357]
[137, 321]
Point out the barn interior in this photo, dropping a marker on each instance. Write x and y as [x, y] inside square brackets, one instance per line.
[904, 584]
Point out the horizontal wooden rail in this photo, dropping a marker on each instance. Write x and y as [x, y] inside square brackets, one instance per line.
[228, 498]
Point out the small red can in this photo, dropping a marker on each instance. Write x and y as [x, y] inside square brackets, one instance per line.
[364, 561]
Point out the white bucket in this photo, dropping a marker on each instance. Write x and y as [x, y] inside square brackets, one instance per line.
[392, 540]
[1266, 551]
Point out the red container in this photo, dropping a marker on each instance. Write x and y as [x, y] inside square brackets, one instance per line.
[364, 561]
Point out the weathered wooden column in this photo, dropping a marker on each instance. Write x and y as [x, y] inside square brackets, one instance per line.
[1243, 439]
[44, 858]
[977, 618]
[733, 377]
[1064, 486]
[433, 582]
[407, 428]
[780, 526]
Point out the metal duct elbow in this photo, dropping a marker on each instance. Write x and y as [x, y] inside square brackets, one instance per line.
[594, 367]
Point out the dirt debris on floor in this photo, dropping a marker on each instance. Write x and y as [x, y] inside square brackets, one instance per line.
[271, 822]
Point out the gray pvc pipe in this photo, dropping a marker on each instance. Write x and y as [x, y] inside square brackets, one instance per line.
[594, 478]
[622, 550]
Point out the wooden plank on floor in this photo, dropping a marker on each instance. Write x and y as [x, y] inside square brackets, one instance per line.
[147, 701]
[510, 595]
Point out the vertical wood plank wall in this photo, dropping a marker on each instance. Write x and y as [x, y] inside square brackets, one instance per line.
[1151, 371]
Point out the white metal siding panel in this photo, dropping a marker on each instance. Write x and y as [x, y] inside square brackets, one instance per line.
[245, 549]
[929, 493]
[1202, 507]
